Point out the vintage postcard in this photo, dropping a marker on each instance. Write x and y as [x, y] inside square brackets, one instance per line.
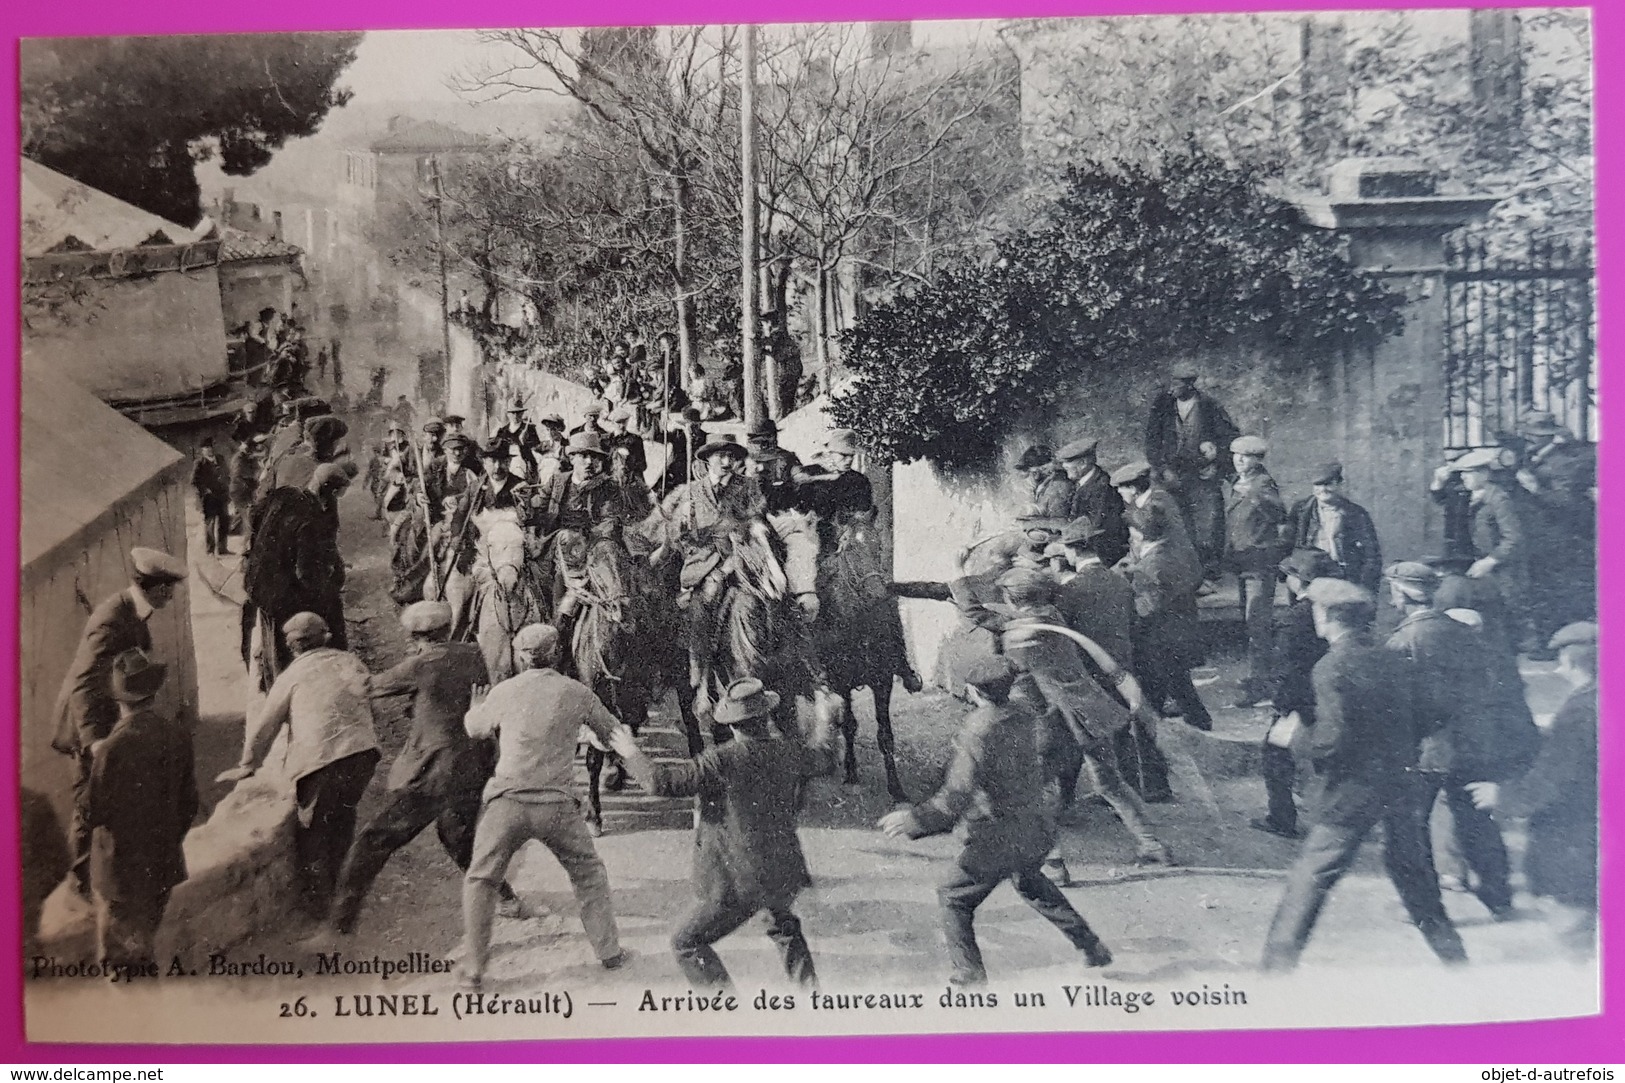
[837, 529]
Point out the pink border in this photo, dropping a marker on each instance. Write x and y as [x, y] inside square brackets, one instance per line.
[1597, 1040]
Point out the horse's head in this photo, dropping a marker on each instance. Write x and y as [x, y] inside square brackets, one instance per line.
[609, 578]
[501, 546]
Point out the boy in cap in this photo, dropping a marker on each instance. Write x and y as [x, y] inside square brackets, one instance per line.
[1297, 649]
[330, 754]
[747, 857]
[142, 800]
[1256, 527]
[536, 717]
[1363, 745]
[439, 774]
[1340, 528]
[1094, 497]
[994, 786]
[85, 708]
[1558, 794]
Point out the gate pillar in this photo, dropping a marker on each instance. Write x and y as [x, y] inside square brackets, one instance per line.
[1391, 397]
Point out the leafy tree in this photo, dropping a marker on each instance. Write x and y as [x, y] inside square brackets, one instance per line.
[1133, 266]
[132, 116]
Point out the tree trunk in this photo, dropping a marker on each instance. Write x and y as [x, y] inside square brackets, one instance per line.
[821, 325]
[684, 304]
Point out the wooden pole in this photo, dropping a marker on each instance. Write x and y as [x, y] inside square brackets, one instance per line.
[749, 309]
[445, 288]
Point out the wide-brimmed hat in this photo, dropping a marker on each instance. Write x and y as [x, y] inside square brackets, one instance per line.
[552, 421]
[725, 443]
[744, 700]
[764, 426]
[517, 406]
[586, 443]
[136, 677]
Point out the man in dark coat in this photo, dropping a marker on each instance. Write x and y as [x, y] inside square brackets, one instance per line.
[439, 774]
[1048, 489]
[1297, 649]
[1340, 528]
[994, 784]
[582, 496]
[1558, 794]
[619, 436]
[1167, 632]
[1507, 537]
[213, 488]
[1560, 474]
[142, 801]
[1363, 744]
[295, 565]
[747, 857]
[1258, 538]
[682, 441]
[1470, 731]
[1094, 498]
[85, 708]
[1186, 441]
[245, 482]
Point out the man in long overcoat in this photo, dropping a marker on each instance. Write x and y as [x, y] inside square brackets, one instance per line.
[994, 785]
[747, 856]
[1507, 537]
[85, 708]
[1187, 438]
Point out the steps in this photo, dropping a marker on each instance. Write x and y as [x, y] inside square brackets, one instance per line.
[632, 809]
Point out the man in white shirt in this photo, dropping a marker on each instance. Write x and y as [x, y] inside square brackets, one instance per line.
[536, 717]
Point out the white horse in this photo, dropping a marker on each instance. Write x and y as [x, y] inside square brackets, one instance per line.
[504, 588]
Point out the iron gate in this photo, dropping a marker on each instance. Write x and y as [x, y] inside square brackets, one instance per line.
[1520, 334]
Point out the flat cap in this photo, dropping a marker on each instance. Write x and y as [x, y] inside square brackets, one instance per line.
[156, 564]
[989, 669]
[1077, 449]
[454, 419]
[434, 426]
[1328, 473]
[1484, 458]
[1249, 445]
[1080, 531]
[422, 617]
[1329, 592]
[1309, 565]
[1581, 633]
[1412, 571]
[394, 426]
[1185, 372]
[537, 639]
[136, 677]
[1055, 549]
[1134, 471]
[458, 439]
[1025, 586]
[304, 627]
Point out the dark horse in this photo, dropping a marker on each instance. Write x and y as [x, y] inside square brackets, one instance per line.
[859, 637]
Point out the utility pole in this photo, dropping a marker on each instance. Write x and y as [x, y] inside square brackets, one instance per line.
[445, 289]
[749, 308]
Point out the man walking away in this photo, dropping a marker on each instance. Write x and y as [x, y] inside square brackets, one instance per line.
[143, 798]
[85, 709]
[1363, 745]
[995, 784]
[213, 488]
[1255, 522]
[536, 716]
[748, 858]
[331, 752]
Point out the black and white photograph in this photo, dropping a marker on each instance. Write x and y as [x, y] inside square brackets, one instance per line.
[1023, 525]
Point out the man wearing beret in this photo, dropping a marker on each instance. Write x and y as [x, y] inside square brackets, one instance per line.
[142, 801]
[1187, 440]
[85, 708]
[1363, 745]
[1558, 795]
[1474, 728]
[747, 856]
[1258, 537]
[1340, 528]
[1049, 491]
[992, 785]
[1094, 497]
[321, 698]
[1297, 648]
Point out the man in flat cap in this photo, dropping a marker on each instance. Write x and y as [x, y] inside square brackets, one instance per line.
[1187, 442]
[1167, 632]
[1258, 537]
[85, 708]
[1508, 537]
[1046, 486]
[1560, 474]
[747, 856]
[1297, 648]
[142, 801]
[321, 698]
[536, 717]
[1558, 795]
[439, 774]
[1340, 528]
[1094, 497]
[994, 786]
[1473, 727]
[591, 418]
[1363, 744]
[1135, 484]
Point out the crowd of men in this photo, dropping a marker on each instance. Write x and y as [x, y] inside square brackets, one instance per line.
[1090, 609]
